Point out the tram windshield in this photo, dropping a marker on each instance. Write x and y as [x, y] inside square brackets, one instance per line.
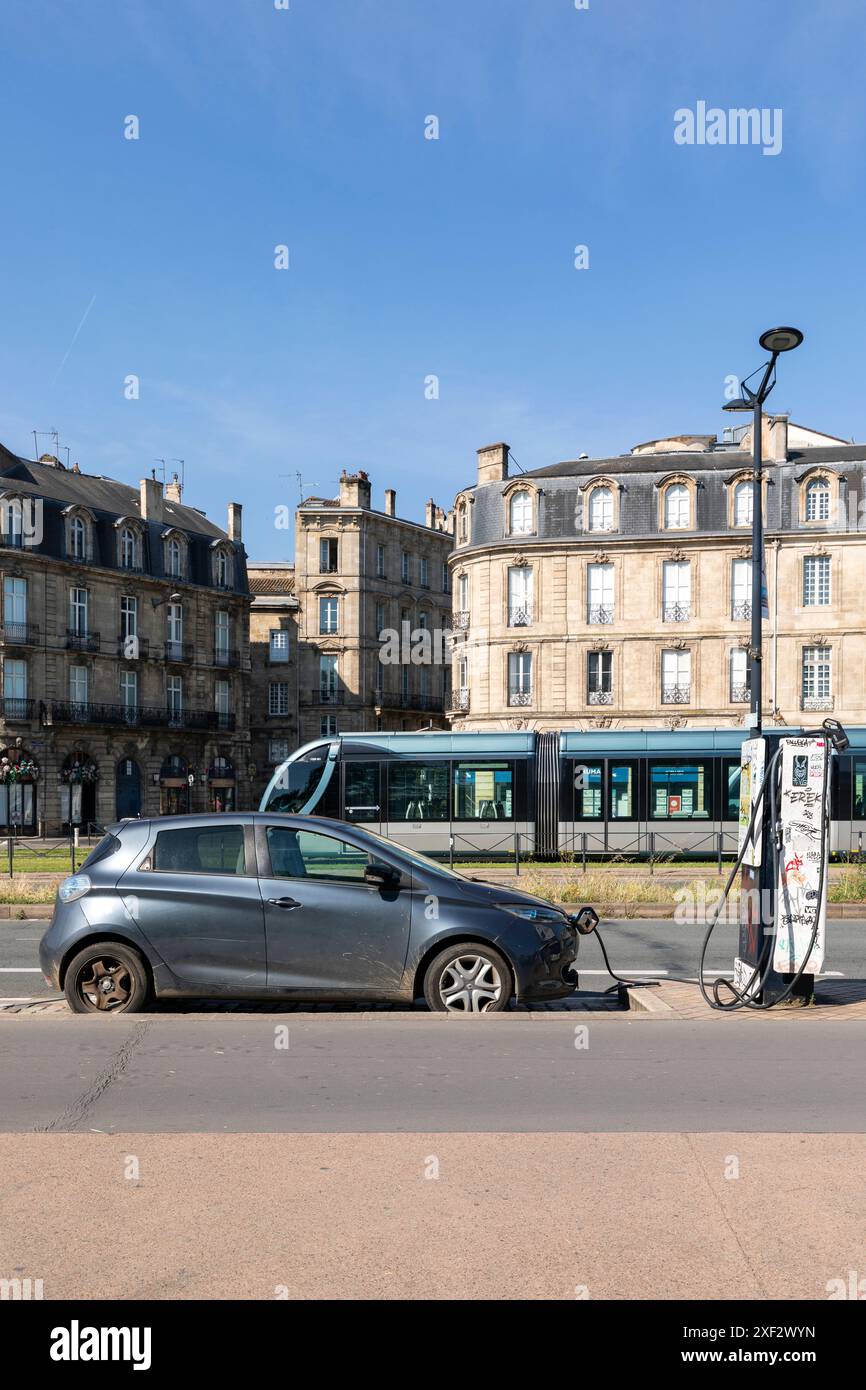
[298, 781]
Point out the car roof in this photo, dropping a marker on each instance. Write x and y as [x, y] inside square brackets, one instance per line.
[216, 818]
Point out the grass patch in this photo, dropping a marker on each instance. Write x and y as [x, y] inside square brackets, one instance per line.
[19, 890]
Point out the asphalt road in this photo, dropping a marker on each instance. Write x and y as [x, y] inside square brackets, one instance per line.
[366, 1073]
[640, 945]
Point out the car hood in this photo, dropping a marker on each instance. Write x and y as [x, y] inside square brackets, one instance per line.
[489, 894]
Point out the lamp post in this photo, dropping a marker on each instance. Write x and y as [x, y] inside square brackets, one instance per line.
[774, 341]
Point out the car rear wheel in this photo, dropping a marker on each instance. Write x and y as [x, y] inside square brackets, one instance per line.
[468, 978]
[106, 978]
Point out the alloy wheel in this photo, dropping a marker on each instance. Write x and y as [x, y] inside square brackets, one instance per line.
[104, 985]
[470, 984]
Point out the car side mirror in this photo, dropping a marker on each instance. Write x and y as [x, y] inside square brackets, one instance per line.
[586, 920]
[382, 875]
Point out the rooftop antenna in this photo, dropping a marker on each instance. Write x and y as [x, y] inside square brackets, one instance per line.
[182, 473]
[153, 470]
[301, 484]
[514, 461]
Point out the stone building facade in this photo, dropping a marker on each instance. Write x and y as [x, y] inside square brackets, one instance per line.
[361, 573]
[616, 592]
[124, 651]
[273, 669]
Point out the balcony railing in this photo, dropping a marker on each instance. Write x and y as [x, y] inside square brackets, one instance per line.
[520, 697]
[328, 567]
[676, 694]
[224, 657]
[741, 610]
[460, 699]
[600, 613]
[461, 620]
[520, 616]
[816, 702]
[740, 694]
[599, 697]
[141, 716]
[20, 634]
[677, 612]
[82, 641]
[15, 708]
[13, 539]
[178, 651]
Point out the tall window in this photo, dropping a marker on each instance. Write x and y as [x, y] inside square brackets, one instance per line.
[816, 684]
[78, 687]
[425, 572]
[676, 677]
[816, 580]
[174, 634]
[462, 523]
[381, 619]
[601, 509]
[222, 569]
[446, 583]
[328, 614]
[463, 593]
[173, 554]
[15, 688]
[743, 498]
[128, 556]
[278, 697]
[404, 567]
[463, 682]
[676, 591]
[222, 697]
[129, 690]
[380, 562]
[128, 624]
[818, 500]
[599, 593]
[404, 684]
[14, 607]
[519, 678]
[222, 631]
[278, 645]
[328, 556]
[328, 676]
[174, 698]
[741, 677]
[520, 513]
[519, 595]
[328, 726]
[78, 612]
[599, 678]
[78, 538]
[677, 507]
[741, 589]
[278, 750]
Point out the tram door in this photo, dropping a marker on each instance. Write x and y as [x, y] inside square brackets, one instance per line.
[362, 794]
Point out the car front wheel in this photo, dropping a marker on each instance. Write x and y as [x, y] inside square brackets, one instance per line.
[468, 978]
[106, 978]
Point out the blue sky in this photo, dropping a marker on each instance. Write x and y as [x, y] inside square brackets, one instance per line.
[411, 257]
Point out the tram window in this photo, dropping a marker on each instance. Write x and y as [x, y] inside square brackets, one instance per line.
[680, 791]
[362, 791]
[859, 789]
[622, 784]
[418, 791]
[587, 791]
[297, 782]
[731, 794]
[483, 791]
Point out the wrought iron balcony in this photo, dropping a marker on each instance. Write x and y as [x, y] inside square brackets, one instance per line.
[461, 620]
[460, 699]
[676, 694]
[600, 613]
[328, 567]
[140, 716]
[82, 641]
[15, 708]
[740, 694]
[178, 652]
[599, 697]
[816, 702]
[14, 540]
[20, 634]
[520, 697]
[224, 657]
[677, 612]
[520, 616]
[741, 610]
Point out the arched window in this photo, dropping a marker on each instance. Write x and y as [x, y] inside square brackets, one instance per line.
[743, 496]
[818, 500]
[462, 523]
[222, 569]
[173, 555]
[601, 509]
[127, 548]
[78, 538]
[677, 507]
[520, 513]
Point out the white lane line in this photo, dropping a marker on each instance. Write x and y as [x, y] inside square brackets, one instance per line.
[626, 971]
[20, 970]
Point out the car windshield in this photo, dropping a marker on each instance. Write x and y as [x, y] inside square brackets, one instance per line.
[422, 860]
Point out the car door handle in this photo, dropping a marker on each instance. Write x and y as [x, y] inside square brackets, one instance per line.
[288, 903]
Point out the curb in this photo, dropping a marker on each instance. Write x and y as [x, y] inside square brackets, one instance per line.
[645, 1001]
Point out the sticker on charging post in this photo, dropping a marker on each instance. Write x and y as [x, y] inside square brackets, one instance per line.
[801, 898]
[752, 761]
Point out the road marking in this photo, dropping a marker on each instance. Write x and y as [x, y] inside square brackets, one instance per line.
[20, 970]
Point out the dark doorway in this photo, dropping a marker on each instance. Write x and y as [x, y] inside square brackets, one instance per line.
[128, 788]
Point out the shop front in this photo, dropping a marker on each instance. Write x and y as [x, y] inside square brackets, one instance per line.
[221, 785]
[19, 777]
[78, 778]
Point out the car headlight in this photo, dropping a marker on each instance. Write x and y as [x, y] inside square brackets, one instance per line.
[74, 887]
[545, 919]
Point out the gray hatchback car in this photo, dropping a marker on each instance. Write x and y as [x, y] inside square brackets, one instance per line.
[258, 906]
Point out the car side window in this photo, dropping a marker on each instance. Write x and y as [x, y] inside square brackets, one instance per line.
[308, 854]
[200, 851]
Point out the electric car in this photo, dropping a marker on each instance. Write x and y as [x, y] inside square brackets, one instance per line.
[265, 906]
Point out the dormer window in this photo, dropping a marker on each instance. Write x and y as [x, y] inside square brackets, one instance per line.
[817, 500]
[173, 557]
[520, 513]
[743, 501]
[223, 570]
[601, 509]
[128, 549]
[462, 523]
[77, 538]
[677, 507]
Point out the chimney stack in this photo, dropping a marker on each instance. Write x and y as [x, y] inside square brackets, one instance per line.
[173, 490]
[777, 438]
[430, 513]
[151, 499]
[235, 530]
[390, 502]
[355, 489]
[493, 463]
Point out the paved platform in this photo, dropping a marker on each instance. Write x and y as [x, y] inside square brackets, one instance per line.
[834, 999]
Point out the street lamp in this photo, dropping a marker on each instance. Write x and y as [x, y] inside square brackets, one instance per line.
[774, 341]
